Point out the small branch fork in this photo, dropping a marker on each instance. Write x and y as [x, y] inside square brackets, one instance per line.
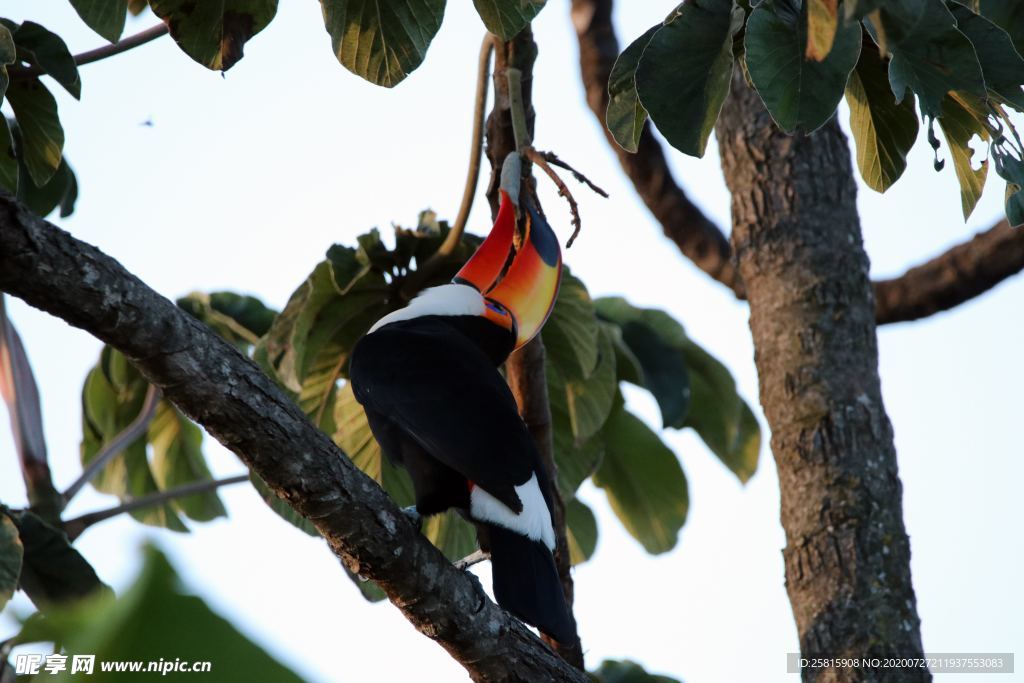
[95, 55]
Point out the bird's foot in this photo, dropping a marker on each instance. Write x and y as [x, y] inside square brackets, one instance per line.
[414, 516]
[475, 557]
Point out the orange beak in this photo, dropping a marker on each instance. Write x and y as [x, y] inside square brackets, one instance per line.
[485, 266]
[530, 286]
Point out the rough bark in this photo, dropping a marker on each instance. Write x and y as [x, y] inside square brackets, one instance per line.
[797, 239]
[962, 273]
[241, 407]
[525, 368]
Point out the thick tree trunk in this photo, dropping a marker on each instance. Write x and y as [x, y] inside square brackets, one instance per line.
[797, 240]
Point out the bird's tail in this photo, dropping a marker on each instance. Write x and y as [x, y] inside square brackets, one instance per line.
[526, 582]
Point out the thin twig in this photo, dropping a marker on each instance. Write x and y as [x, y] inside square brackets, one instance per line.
[475, 557]
[554, 160]
[517, 109]
[563, 191]
[123, 439]
[454, 236]
[95, 55]
[74, 527]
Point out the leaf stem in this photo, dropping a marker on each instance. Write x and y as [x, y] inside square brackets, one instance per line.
[517, 109]
[95, 55]
[124, 438]
[74, 527]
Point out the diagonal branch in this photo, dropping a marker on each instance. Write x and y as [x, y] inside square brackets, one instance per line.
[962, 273]
[214, 384]
[96, 54]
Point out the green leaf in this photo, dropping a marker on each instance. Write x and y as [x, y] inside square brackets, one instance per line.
[137, 7]
[626, 671]
[41, 132]
[570, 334]
[883, 130]
[575, 459]
[213, 32]
[452, 534]
[1011, 170]
[822, 25]
[933, 59]
[959, 126]
[52, 571]
[1009, 16]
[858, 9]
[627, 365]
[48, 51]
[61, 190]
[106, 17]
[1001, 66]
[590, 400]
[280, 506]
[8, 55]
[11, 554]
[506, 18]
[154, 620]
[683, 75]
[112, 399]
[581, 531]
[178, 460]
[719, 416]
[382, 41]
[238, 318]
[657, 341]
[8, 159]
[800, 94]
[626, 116]
[643, 481]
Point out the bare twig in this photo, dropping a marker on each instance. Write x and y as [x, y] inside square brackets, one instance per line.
[563, 191]
[95, 55]
[475, 557]
[74, 527]
[554, 160]
[517, 108]
[125, 438]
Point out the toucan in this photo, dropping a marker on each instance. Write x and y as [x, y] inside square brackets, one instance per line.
[427, 377]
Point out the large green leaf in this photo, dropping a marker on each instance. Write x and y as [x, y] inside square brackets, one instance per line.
[8, 55]
[959, 126]
[643, 481]
[570, 334]
[590, 400]
[683, 75]
[48, 51]
[238, 318]
[41, 134]
[575, 459]
[581, 531]
[800, 93]
[506, 18]
[61, 190]
[106, 17]
[382, 41]
[626, 116]
[11, 554]
[657, 342]
[625, 671]
[52, 572]
[8, 160]
[112, 398]
[1001, 66]
[883, 130]
[178, 460]
[1009, 16]
[719, 416]
[155, 620]
[933, 59]
[213, 32]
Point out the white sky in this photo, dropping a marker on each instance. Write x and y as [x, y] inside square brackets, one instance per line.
[243, 182]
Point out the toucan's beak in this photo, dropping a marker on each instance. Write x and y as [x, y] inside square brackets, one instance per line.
[484, 267]
[530, 286]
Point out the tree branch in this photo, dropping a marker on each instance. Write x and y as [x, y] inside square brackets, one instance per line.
[74, 527]
[215, 385]
[121, 441]
[95, 55]
[962, 273]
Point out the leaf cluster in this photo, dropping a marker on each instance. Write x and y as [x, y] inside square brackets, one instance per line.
[957, 64]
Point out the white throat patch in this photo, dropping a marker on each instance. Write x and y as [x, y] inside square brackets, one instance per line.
[534, 521]
[442, 300]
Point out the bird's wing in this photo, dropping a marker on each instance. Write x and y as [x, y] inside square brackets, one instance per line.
[442, 390]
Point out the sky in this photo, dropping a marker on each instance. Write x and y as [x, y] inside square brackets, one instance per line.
[242, 182]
